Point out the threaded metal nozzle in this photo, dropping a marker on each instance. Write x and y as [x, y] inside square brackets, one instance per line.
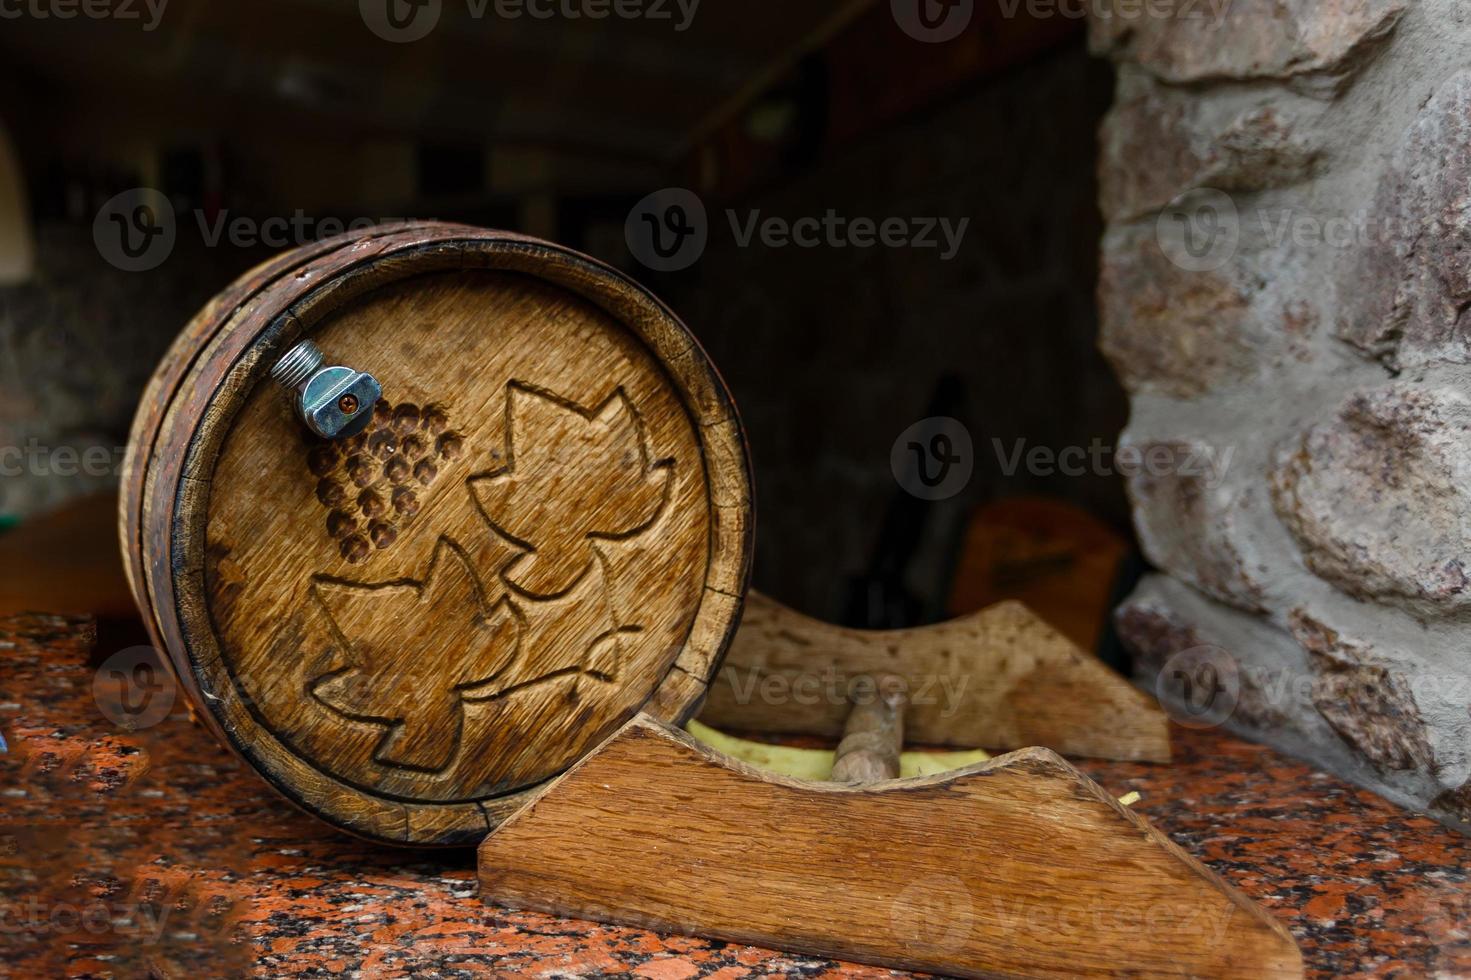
[297, 364]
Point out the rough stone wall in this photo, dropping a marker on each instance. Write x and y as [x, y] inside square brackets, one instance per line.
[1285, 277]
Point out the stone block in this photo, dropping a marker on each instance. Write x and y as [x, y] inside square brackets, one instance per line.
[1157, 143]
[1406, 290]
[1169, 330]
[1378, 496]
[1369, 703]
[1192, 522]
[1318, 44]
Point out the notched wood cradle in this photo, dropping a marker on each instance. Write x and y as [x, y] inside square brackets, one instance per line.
[485, 615]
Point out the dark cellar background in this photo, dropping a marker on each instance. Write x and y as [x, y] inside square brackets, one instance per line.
[557, 128]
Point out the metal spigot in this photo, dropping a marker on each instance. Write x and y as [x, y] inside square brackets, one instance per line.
[334, 402]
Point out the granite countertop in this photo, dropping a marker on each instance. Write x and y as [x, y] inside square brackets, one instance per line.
[156, 852]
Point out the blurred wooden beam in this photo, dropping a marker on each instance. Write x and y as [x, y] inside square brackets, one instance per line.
[880, 75]
[17, 243]
[615, 85]
[774, 70]
[869, 74]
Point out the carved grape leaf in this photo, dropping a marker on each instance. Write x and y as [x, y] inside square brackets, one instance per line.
[419, 651]
[410, 676]
[572, 634]
[571, 476]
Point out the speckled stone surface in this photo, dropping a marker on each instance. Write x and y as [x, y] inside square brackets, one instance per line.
[153, 851]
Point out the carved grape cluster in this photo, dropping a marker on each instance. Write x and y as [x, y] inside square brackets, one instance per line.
[527, 605]
[371, 483]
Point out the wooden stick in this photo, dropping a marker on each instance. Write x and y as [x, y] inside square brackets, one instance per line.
[873, 736]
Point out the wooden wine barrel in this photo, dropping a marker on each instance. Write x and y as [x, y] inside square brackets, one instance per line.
[542, 528]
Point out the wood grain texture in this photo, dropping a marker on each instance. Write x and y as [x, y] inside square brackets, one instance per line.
[236, 314]
[163, 386]
[1021, 866]
[997, 679]
[1057, 559]
[407, 631]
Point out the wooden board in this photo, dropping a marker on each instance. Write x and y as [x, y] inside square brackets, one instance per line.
[544, 531]
[1057, 559]
[1021, 866]
[997, 679]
